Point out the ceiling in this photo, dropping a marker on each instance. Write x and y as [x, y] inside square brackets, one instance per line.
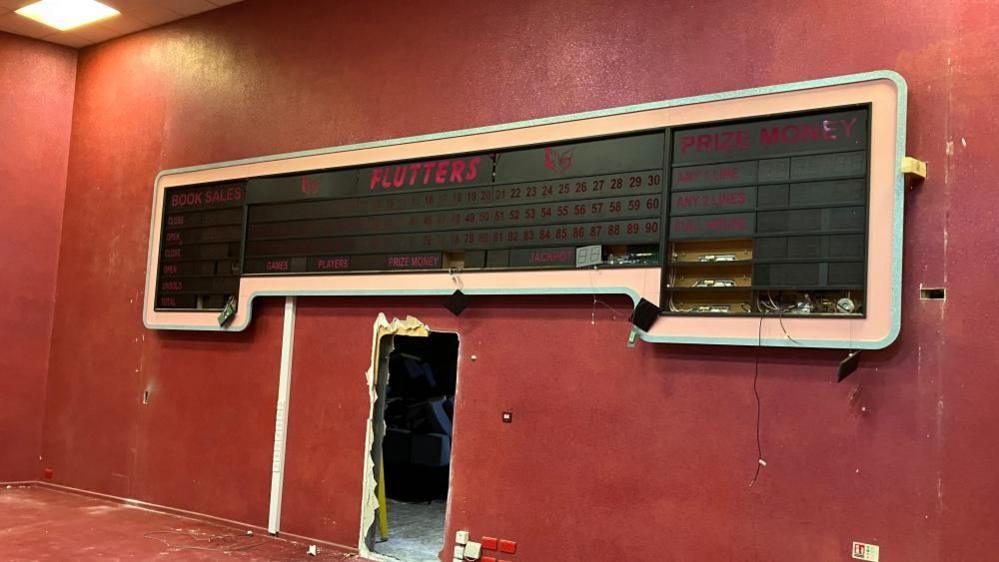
[135, 15]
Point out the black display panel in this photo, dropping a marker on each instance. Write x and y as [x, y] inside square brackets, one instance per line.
[522, 208]
[758, 216]
[201, 246]
[769, 216]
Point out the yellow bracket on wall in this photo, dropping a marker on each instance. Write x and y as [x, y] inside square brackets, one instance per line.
[914, 170]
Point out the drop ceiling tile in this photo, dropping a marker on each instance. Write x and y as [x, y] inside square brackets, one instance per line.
[16, 23]
[125, 24]
[96, 32]
[68, 39]
[190, 7]
[153, 15]
[123, 5]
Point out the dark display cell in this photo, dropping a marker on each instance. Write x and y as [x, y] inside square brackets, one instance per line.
[829, 166]
[787, 275]
[773, 196]
[849, 273]
[213, 302]
[811, 220]
[847, 246]
[842, 246]
[809, 276]
[475, 260]
[498, 258]
[776, 170]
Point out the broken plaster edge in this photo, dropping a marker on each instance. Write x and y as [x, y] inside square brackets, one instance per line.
[369, 498]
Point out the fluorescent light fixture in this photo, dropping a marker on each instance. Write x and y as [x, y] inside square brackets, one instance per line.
[67, 14]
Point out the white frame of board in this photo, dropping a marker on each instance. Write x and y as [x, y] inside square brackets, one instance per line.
[884, 91]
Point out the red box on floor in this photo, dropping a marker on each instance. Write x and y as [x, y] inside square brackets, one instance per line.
[490, 543]
[508, 547]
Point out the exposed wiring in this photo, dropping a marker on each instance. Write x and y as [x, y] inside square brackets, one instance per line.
[780, 320]
[672, 283]
[223, 548]
[454, 273]
[760, 462]
[774, 307]
[596, 301]
[593, 313]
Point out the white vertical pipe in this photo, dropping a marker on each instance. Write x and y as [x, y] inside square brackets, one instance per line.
[281, 419]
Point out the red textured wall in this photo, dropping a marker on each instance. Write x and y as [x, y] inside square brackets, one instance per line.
[648, 451]
[36, 105]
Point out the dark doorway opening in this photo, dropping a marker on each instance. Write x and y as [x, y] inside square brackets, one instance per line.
[416, 402]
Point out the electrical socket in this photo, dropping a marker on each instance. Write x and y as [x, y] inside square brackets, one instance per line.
[473, 550]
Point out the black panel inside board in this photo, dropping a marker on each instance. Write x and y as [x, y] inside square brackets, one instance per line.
[488, 206]
[769, 215]
[201, 246]
[520, 208]
[773, 211]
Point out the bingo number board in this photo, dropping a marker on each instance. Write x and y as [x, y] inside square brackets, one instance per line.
[731, 209]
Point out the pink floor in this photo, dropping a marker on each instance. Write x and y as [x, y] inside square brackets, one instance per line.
[43, 524]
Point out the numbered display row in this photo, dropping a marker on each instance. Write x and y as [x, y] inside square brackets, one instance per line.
[525, 215]
[638, 231]
[610, 185]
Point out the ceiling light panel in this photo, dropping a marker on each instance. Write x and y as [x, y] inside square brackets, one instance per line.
[67, 14]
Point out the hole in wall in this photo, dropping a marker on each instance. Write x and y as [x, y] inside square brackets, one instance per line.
[932, 293]
[415, 409]
[413, 383]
